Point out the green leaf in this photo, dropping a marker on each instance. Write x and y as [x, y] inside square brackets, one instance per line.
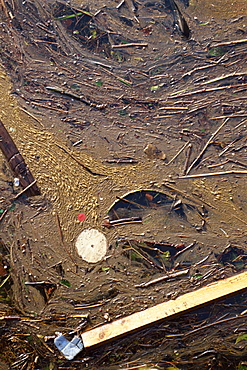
[93, 33]
[125, 82]
[99, 83]
[242, 367]
[73, 15]
[105, 269]
[166, 254]
[156, 87]
[65, 282]
[217, 51]
[241, 337]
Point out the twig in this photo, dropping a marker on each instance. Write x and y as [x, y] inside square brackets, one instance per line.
[184, 249]
[3, 214]
[122, 221]
[188, 154]
[184, 194]
[197, 159]
[230, 43]
[131, 44]
[178, 95]
[62, 239]
[31, 115]
[126, 82]
[50, 107]
[79, 162]
[124, 160]
[76, 97]
[214, 323]
[229, 146]
[174, 108]
[162, 278]
[230, 116]
[189, 73]
[241, 123]
[177, 154]
[201, 261]
[24, 190]
[152, 263]
[232, 172]
[224, 77]
[120, 4]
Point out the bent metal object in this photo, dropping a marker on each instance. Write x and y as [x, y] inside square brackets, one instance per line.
[16, 162]
[152, 315]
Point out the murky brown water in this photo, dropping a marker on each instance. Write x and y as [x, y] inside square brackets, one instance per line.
[219, 9]
[46, 137]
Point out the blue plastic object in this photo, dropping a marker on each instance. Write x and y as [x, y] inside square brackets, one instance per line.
[68, 349]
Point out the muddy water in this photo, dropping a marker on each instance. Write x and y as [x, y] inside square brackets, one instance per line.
[219, 9]
[45, 140]
[66, 184]
[71, 189]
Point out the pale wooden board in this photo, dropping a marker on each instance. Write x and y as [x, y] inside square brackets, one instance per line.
[164, 310]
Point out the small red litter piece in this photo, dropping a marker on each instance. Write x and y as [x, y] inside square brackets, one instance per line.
[81, 217]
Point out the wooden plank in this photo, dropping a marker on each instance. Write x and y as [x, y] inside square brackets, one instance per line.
[185, 302]
[16, 162]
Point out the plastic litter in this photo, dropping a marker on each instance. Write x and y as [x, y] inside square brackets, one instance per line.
[81, 217]
[68, 349]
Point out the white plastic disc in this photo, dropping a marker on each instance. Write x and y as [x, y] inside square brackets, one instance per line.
[91, 245]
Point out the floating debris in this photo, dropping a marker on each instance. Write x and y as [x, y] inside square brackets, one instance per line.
[91, 245]
[68, 349]
[153, 152]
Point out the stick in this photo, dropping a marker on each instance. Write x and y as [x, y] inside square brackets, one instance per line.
[75, 96]
[159, 312]
[3, 214]
[120, 4]
[230, 145]
[162, 278]
[185, 249]
[174, 108]
[62, 240]
[188, 154]
[24, 190]
[180, 151]
[223, 77]
[232, 172]
[230, 43]
[178, 95]
[79, 162]
[131, 44]
[197, 159]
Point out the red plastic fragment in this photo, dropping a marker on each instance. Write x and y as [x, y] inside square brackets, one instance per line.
[81, 217]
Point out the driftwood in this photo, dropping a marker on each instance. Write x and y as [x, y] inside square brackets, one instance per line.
[16, 162]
